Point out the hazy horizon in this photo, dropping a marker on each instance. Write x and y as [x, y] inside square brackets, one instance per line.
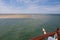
[26, 15]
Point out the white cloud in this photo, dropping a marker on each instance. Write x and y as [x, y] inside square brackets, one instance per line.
[31, 8]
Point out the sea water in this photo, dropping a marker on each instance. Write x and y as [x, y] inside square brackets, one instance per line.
[27, 28]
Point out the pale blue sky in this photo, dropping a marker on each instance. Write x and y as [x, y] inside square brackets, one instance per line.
[29, 6]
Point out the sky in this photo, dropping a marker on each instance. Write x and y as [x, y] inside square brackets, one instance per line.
[29, 6]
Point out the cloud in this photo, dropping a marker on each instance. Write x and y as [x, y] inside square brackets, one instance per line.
[27, 7]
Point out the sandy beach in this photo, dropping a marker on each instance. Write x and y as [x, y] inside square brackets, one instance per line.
[14, 16]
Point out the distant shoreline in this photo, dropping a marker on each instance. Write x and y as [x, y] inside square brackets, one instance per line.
[25, 15]
[14, 16]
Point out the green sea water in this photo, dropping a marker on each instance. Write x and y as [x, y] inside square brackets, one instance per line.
[27, 28]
